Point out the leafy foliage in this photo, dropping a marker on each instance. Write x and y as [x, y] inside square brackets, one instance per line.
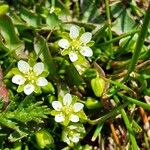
[113, 81]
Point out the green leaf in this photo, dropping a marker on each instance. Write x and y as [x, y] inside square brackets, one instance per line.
[53, 21]
[34, 112]
[49, 88]
[72, 76]
[15, 136]
[31, 18]
[20, 88]
[42, 50]
[11, 40]
[124, 23]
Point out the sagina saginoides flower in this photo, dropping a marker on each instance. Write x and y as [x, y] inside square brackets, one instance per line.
[73, 133]
[76, 44]
[67, 110]
[29, 79]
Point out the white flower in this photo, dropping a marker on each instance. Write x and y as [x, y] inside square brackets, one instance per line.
[29, 76]
[77, 44]
[73, 133]
[67, 110]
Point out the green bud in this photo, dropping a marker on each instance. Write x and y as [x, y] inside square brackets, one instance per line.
[3, 9]
[98, 85]
[92, 103]
[44, 138]
[17, 145]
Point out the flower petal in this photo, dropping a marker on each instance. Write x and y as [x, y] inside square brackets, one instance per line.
[57, 105]
[59, 118]
[86, 37]
[75, 138]
[28, 89]
[18, 79]
[73, 56]
[77, 107]
[65, 137]
[23, 66]
[74, 32]
[72, 127]
[74, 118]
[63, 43]
[38, 68]
[86, 51]
[41, 81]
[67, 99]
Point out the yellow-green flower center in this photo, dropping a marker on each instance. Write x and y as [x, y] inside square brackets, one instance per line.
[31, 77]
[75, 44]
[67, 110]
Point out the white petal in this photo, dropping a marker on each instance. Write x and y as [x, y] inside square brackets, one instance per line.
[28, 89]
[67, 99]
[65, 138]
[38, 68]
[72, 127]
[57, 105]
[59, 118]
[86, 51]
[74, 118]
[75, 138]
[23, 66]
[86, 37]
[77, 107]
[73, 56]
[18, 79]
[41, 81]
[74, 32]
[63, 43]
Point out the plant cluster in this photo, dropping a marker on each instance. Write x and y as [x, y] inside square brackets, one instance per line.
[74, 75]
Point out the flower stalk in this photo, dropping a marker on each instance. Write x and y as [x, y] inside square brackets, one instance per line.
[139, 44]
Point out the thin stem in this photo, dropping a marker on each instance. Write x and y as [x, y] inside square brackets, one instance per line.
[113, 130]
[135, 101]
[109, 25]
[77, 8]
[128, 125]
[119, 37]
[9, 68]
[111, 114]
[139, 43]
[97, 132]
[53, 3]
[119, 84]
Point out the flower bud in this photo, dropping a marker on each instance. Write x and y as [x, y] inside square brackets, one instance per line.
[3, 9]
[92, 103]
[44, 138]
[98, 85]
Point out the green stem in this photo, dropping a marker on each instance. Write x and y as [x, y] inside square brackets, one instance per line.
[109, 25]
[135, 101]
[9, 68]
[111, 114]
[97, 132]
[53, 3]
[140, 42]
[118, 84]
[128, 126]
[77, 8]
[119, 37]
